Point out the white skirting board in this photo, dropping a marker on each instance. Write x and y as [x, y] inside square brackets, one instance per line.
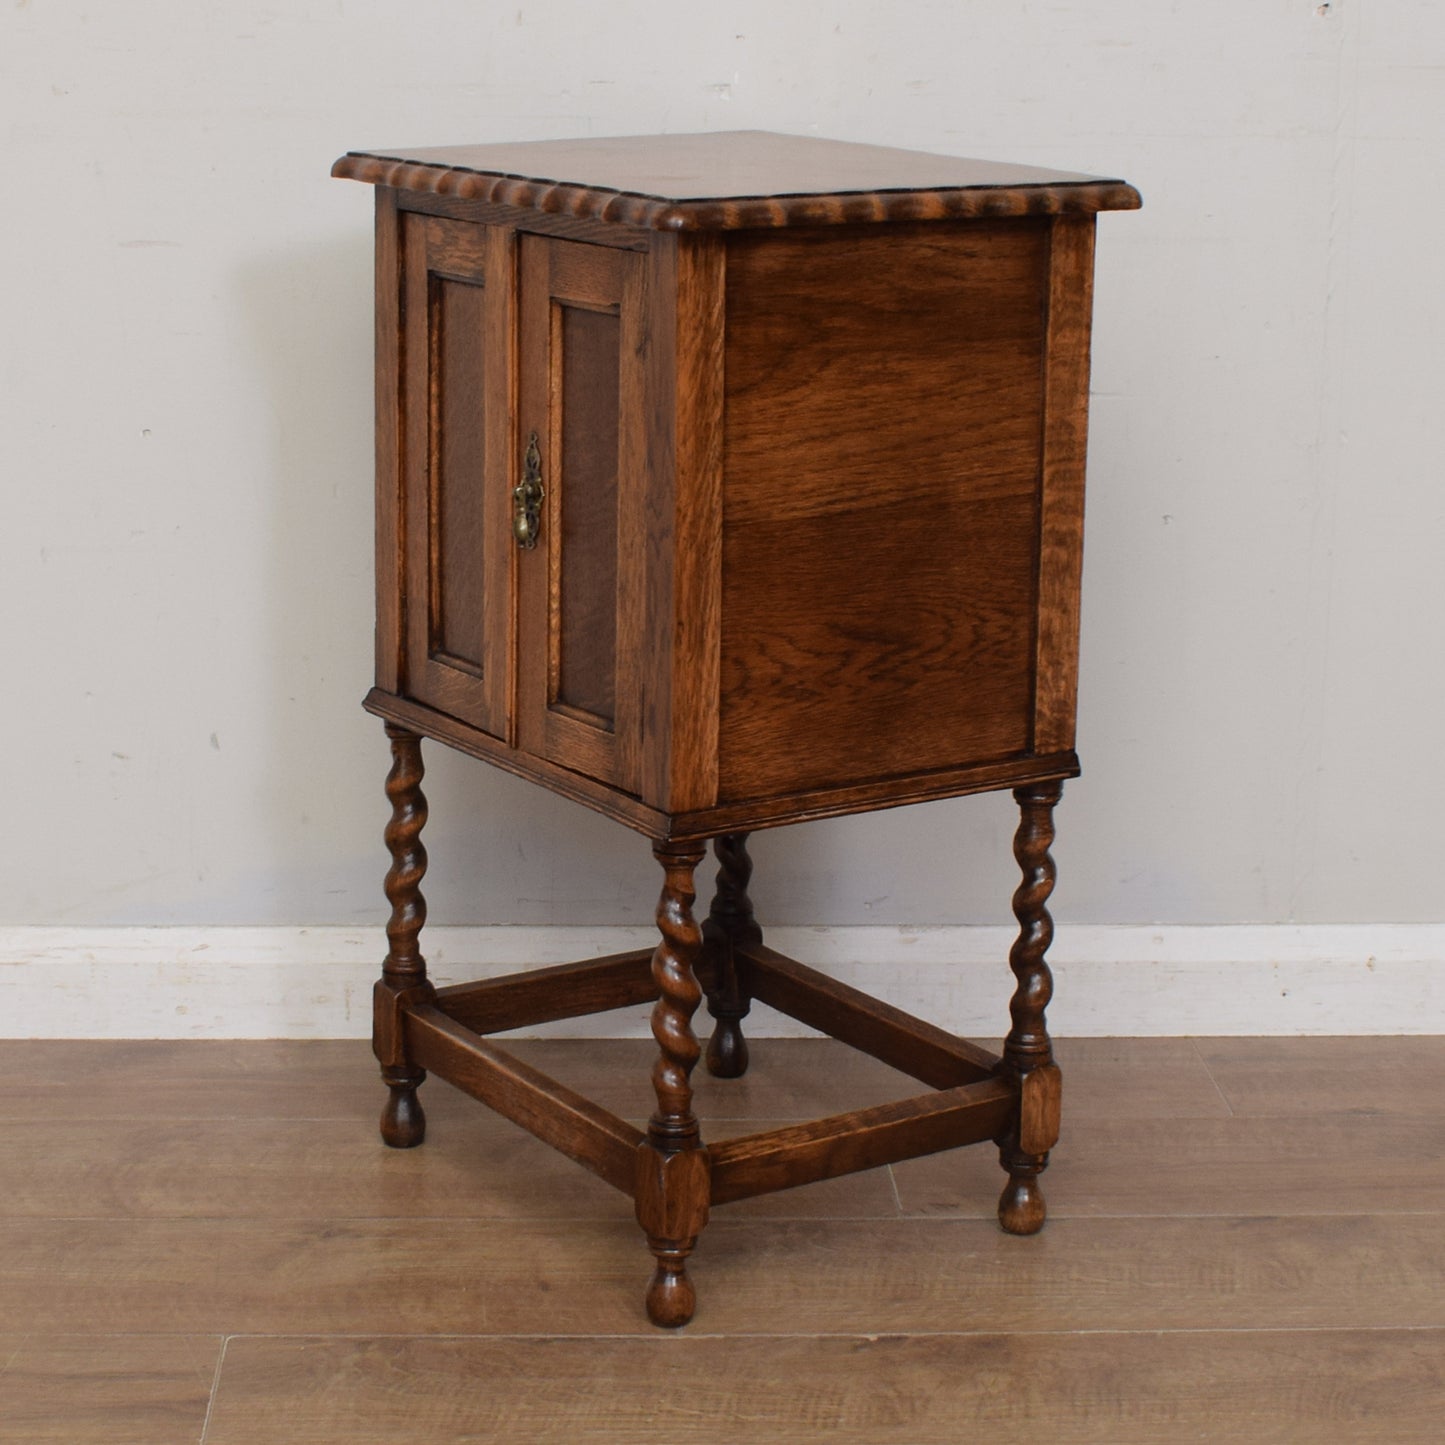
[211, 983]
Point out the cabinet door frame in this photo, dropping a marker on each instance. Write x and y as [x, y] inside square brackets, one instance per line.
[436, 254]
[554, 274]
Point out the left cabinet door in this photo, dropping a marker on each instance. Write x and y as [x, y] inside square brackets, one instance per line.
[456, 305]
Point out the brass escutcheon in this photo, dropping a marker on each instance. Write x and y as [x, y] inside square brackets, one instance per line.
[527, 498]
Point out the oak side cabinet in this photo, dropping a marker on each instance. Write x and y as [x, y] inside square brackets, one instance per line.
[726, 481]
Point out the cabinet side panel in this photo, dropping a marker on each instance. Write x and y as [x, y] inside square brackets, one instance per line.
[389, 539]
[881, 502]
[1066, 418]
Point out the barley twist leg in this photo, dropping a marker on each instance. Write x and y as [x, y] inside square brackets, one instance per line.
[672, 1192]
[729, 922]
[1028, 1054]
[403, 975]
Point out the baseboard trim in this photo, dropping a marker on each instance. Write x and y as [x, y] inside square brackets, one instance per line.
[128, 983]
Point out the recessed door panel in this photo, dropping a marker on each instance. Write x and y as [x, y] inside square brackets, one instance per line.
[587, 347]
[456, 295]
[458, 475]
[579, 589]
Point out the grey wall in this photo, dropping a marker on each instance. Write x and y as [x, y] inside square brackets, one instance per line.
[185, 413]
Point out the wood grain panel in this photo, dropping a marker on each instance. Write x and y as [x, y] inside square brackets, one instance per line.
[896, 367]
[882, 460]
[864, 644]
[1337, 1387]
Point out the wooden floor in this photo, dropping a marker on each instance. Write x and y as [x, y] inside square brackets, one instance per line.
[206, 1242]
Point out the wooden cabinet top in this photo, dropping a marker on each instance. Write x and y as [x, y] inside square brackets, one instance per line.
[732, 180]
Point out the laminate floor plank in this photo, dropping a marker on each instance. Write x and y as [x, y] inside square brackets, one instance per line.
[188, 1079]
[1302, 1164]
[1136, 1079]
[790, 1079]
[1327, 1387]
[450, 1276]
[787, 1079]
[106, 1390]
[477, 1166]
[1367, 1076]
[1246, 1244]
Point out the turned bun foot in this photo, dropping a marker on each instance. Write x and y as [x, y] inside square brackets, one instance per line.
[727, 1050]
[671, 1299]
[403, 1121]
[1021, 1205]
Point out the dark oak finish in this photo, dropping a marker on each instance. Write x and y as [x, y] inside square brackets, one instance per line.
[519, 218]
[685, 522]
[455, 299]
[580, 592]
[672, 1171]
[1061, 511]
[725, 482]
[881, 492]
[543, 995]
[734, 180]
[862, 1139]
[730, 926]
[403, 983]
[927, 1053]
[553, 1112]
[674, 963]
[708, 823]
[1028, 1056]
[389, 327]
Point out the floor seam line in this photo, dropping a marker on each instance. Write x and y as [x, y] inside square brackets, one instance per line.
[882, 1334]
[1204, 1063]
[215, 1387]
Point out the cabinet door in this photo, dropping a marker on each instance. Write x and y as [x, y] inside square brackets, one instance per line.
[580, 389]
[457, 304]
